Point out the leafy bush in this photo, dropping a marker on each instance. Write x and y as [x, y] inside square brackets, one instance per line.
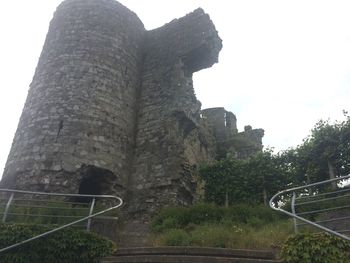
[252, 180]
[315, 248]
[65, 246]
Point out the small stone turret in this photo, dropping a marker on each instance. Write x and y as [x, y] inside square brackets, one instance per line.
[227, 138]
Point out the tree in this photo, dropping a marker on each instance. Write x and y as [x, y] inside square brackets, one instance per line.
[253, 180]
[267, 175]
[223, 181]
[324, 154]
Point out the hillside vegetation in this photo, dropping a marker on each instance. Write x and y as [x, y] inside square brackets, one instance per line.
[208, 225]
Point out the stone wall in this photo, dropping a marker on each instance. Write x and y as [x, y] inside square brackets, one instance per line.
[80, 109]
[169, 112]
[112, 110]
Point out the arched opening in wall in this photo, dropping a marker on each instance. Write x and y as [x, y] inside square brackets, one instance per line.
[95, 181]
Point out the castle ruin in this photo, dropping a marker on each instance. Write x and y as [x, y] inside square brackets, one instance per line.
[112, 109]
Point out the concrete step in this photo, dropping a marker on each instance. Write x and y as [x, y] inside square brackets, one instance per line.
[190, 255]
[133, 234]
[184, 259]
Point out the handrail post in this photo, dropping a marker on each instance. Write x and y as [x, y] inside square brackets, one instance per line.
[90, 213]
[8, 207]
[293, 212]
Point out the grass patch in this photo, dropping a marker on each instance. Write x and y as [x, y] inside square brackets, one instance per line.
[270, 236]
[241, 226]
[182, 217]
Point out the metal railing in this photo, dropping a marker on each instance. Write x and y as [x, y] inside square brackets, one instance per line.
[53, 209]
[324, 205]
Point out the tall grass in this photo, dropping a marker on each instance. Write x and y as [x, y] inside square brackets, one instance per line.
[180, 217]
[241, 226]
[270, 236]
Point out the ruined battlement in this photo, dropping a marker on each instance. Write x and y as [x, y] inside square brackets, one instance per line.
[227, 138]
[192, 38]
[224, 122]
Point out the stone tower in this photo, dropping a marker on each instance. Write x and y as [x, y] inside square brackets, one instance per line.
[111, 108]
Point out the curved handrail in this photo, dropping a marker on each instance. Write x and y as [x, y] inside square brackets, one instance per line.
[91, 215]
[272, 203]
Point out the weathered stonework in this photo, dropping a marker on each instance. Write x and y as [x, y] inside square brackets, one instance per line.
[114, 101]
[227, 138]
[81, 105]
[112, 110]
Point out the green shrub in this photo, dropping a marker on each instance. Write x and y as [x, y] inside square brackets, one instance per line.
[65, 246]
[315, 248]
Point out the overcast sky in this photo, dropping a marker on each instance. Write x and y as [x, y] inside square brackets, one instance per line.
[284, 64]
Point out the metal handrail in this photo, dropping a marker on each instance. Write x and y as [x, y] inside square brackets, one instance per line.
[274, 205]
[91, 215]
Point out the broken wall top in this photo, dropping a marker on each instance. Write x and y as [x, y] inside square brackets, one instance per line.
[193, 38]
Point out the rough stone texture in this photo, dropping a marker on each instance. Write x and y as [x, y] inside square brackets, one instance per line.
[81, 103]
[112, 110]
[169, 112]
